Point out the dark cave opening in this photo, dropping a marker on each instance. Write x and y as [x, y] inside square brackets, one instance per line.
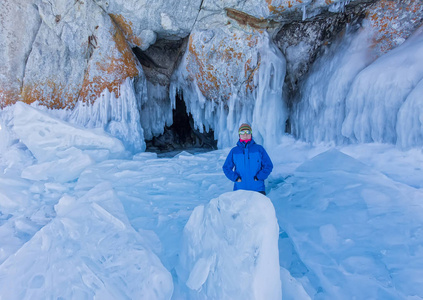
[181, 135]
[158, 63]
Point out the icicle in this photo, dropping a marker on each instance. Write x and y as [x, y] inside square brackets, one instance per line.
[270, 112]
[339, 7]
[156, 110]
[304, 13]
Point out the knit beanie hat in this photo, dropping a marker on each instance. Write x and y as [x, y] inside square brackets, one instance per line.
[244, 126]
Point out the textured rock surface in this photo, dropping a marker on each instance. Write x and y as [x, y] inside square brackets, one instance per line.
[81, 52]
[145, 21]
[19, 23]
[222, 61]
[160, 60]
[301, 42]
[393, 22]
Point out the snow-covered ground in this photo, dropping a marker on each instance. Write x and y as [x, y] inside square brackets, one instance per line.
[81, 218]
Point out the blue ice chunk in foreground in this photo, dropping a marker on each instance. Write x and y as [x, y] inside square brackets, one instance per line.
[230, 249]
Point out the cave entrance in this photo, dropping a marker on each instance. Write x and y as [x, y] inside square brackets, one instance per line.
[181, 135]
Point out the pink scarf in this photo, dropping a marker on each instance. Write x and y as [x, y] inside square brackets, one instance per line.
[244, 141]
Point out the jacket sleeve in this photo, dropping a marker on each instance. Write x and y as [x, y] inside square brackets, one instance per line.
[266, 166]
[228, 167]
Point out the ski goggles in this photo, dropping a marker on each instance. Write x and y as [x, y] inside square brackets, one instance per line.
[244, 132]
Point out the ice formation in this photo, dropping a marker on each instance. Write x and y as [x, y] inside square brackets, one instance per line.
[140, 111]
[338, 6]
[380, 90]
[78, 249]
[56, 144]
[156, 108]
[57, 246]
[117, 115]
[320, 112]
[410, 119]
[348, 97]
[234, 236]
[264, 107]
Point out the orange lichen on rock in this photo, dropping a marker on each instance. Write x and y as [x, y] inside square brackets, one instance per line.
[251, 42]
[126, 27]
[394, 22]
[217, 69]
[110, 70]
[109, 66]
[8, 97]
[286, 5]
[50, 94]
[110, 63]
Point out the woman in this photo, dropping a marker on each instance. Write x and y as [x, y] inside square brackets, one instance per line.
[248, 164]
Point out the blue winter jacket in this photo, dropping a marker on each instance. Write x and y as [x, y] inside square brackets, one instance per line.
[250, 162]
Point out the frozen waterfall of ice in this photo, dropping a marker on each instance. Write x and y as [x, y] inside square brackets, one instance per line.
[155, 108]
[380, 91]
[141, 111]
[349, 97]
[264, 108]
[319, 113]
[117, 115]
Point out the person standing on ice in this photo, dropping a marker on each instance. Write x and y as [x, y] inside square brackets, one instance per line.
[248, 164]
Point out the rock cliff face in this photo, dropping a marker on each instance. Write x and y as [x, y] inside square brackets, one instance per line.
[228, 60]
[19, 24]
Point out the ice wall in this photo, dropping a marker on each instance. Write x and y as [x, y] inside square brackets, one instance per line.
[319, 111]
[350, 97]
[379, 92]
[117, 115]
[263, 106]
[410, 119]
[139, 112]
